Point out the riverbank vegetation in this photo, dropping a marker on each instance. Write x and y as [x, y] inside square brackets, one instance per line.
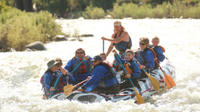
[18, 28]
[26, 21]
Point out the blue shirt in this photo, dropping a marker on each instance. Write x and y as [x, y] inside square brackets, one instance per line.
[100, 75]
[134, 66]
[73, 63]
[148, 58]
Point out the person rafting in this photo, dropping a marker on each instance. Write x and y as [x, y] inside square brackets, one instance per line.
[145, 56]
[159, 50]
[132, 66]
[103, 56]
[120, 39]
[49, 80]
[102, 79]
[79, 66]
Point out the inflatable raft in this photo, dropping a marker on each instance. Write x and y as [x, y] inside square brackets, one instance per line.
[127, 93]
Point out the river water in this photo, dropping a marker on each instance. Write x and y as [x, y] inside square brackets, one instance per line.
[20, 72]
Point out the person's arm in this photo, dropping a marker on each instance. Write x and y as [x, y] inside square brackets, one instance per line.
[63, 71]
[68, 66]
[124, 37]
[97, 74]
[160, 54]
[46, 82]
[103, 38]
[109, 49]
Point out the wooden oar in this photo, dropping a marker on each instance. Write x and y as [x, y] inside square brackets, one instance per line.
[167, 79]
[139, 98]
[155, 83]
[103, 45]
[69, 88]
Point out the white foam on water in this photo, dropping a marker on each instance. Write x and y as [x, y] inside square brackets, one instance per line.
[20, 72]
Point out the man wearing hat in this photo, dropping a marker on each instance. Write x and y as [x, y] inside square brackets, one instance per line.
[120, 39]
[50, 76]
[102, 78]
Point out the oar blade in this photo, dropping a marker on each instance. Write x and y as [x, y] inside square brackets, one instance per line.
[155, 83]
[169, 81]
[139, 98]
[68, 89]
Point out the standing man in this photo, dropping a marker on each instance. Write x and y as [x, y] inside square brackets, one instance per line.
[120, 39]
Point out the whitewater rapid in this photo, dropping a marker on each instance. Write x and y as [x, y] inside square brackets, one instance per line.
[20, 72]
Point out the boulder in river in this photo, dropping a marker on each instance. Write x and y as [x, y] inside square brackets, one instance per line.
[36, 46]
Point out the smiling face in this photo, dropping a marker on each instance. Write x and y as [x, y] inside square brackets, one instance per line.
[103, 56]
[80, 53]
[129, 56]
[117, 28]
[54, 68]
[143, 46]
[144, 43]
[155, 41]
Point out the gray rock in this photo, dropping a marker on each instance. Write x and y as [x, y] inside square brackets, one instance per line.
[3, 47]
[36, 46]
[60, 38]
[86, 35]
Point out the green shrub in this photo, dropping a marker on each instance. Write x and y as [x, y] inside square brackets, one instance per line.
[19, 28]
[192, 12]
[93, 13]
[125, 10]
[162, 10]
[131, 10]
[3, 7]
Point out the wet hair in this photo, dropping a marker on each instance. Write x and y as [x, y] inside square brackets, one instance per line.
[80, 49]
[118, 23]
[130, 51]
[155, 38]
[60, 61]
[102, 54]
[144, 40]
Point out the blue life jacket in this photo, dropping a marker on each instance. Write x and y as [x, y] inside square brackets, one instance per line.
[136, 72]
[76, 74]
[134, 66]
[48, 80]
[138, 56]
[101, 76]
[123, 46]
[159, 53]
[146, 58]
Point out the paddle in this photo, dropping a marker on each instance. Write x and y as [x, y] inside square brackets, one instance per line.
[69, 88]
[167, 79]
[139, 98]
[77, 67]
[155, 83]
[103, 45]
[55, 84]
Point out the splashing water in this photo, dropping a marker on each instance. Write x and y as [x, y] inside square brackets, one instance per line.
[20, 72]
